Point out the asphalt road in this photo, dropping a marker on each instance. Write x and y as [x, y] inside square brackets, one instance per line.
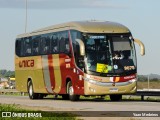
[51, 104]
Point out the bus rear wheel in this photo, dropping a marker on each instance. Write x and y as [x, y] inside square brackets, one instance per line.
[40, 96]
[31, 93]
[72, 96]
[116, 97]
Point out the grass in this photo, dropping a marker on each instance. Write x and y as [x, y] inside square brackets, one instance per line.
[138, 98]
[15, 110]
[95, 98]
[152, 85]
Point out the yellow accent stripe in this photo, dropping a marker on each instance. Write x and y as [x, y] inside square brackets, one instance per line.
[57, 73]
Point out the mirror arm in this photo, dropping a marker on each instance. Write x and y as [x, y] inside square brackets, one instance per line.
[141, 46]
[82, 47]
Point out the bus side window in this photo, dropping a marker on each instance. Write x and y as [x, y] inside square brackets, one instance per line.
[62, 44]
[36, 46]
[76, 35]
[27, 46]
[67, 47]
[18, 47]
[45, 44]
[54, 44]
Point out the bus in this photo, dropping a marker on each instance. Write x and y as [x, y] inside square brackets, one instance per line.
[80, 58]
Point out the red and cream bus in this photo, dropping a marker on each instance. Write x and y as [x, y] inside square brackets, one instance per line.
[77, 58]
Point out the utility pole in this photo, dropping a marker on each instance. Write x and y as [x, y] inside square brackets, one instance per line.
[26, 17]
[148, 82]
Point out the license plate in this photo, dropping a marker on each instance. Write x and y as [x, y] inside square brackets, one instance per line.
[113, 89]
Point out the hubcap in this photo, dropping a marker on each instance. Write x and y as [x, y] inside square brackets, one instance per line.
[30, 90]
[71, 90]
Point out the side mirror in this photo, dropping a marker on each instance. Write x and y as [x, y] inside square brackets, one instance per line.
[141, 46]
[81, 46]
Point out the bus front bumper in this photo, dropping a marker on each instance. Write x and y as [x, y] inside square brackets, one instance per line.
[92, 87]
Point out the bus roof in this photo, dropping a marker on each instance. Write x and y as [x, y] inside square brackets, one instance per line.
[83, 26]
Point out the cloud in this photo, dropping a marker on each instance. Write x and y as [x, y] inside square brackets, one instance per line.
[59, 4]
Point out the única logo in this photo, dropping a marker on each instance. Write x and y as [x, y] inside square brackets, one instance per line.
[26, 63]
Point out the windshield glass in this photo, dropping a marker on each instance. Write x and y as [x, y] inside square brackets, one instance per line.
[109, 54]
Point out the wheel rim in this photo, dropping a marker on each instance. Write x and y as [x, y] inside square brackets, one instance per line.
[30, 90]
[71, 90]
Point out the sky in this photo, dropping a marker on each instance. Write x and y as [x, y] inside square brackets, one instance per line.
[142, 17]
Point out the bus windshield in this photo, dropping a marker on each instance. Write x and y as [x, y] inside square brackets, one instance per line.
[110, 54]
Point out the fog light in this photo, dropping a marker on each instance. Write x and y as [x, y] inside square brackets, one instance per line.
[92, 90]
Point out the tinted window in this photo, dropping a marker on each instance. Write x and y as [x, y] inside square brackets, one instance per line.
[76, 48]
[45, 45]
[36, 45]
[18, 47]
[27, 47]
[54, 43]
[64, 42]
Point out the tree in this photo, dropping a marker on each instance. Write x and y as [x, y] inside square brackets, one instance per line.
[5, 73]
[142, 78]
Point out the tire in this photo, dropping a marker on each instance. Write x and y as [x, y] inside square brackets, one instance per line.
[71, 94]
[31, 93]
[40, 96]
[116, 97]
[65, 97]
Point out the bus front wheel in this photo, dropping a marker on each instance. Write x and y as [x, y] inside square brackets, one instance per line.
[72, 96]
[31, 93]
[116, 97]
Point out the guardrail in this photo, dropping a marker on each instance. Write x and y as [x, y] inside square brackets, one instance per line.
[147, 92]
[140, 92]
[11, 91]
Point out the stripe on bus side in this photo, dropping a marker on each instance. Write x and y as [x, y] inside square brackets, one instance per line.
[46, 73]
[51, 71]
[57, 73]
[43, 74]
